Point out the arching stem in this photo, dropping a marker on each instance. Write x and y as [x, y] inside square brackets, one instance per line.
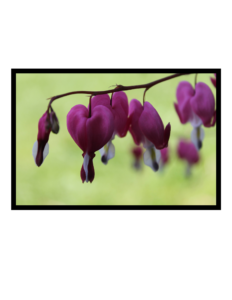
[195, 79]
[119, 88]
[144, 95]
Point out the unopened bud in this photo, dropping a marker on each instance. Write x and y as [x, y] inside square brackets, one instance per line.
[54, 122]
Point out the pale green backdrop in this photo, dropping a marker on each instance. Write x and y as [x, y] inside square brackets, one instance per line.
[58, 182]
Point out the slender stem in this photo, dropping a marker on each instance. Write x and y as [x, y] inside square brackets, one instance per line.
[195, 79]
[144, 95]
[118, 88]
[111, 99]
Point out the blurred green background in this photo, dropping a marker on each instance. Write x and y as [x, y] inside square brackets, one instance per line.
[58, 182]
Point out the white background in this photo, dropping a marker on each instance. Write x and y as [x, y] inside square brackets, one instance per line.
[115, 254]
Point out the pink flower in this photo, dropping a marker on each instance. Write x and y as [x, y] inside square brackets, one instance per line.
[187, 151]
[137, 153]
[213, 80]
[119, 110]
[41, 148]
[197, 107]
[164, 156]
[146, 126]
[90, 133]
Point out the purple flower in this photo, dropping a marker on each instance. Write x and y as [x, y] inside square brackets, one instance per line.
[41, 148]
[90, 133]
[188, 152]
[119, 110]
[137, 153]
[196, 106]
[146, 126]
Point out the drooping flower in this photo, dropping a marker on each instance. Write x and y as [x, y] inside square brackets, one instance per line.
[90, 133]
[41, 148]
[213, 80]
[137, 154]
[146, 126]
[188, 152]
[196, 106]
[119, 109]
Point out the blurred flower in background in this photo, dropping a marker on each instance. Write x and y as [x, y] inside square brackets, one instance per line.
[137, 154]
[188, 152]
[196, 106]
[164, 158]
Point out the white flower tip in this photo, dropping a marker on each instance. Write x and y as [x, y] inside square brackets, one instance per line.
[46, 151]
[107, 152]
[197, 137]
[111, 152]
[85, 166]
[151, 158]
[35, 152]
[195, 120]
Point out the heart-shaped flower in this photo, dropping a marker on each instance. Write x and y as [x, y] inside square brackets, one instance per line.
[119, 109]
[196, 106]
[146, 126]
[90, 133]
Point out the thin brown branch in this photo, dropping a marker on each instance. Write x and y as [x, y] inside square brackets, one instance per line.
[117, 89]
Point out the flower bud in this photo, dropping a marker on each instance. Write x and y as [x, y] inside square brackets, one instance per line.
[47, 124]
[54, 122]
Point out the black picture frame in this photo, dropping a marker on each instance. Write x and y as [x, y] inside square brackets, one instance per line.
[14, 72]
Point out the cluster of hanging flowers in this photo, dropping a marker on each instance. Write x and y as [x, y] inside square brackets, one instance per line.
[196, 106]
[94, 128]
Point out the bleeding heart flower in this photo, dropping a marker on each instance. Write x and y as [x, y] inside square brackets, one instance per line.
[146, 126]
[187, 151]
[119, 109]
[41, 148]
[197, 107]
[213, 80]
[137, 153]
[90, 133]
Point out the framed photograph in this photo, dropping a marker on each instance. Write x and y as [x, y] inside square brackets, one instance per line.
[128, 139]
